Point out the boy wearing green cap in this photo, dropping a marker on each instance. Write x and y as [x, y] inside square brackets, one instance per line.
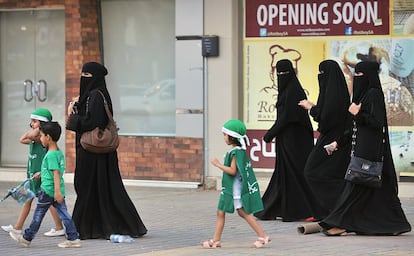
[52, 191]
[240, 189]
[36, 154]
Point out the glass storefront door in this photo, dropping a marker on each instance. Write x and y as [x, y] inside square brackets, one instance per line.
[32, 75]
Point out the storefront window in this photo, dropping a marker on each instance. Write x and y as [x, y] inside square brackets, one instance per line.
[139, 52]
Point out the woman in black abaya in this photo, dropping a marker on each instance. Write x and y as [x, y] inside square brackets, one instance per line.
[361, 209]
[324, 171]
[102, 205]
[288, 196]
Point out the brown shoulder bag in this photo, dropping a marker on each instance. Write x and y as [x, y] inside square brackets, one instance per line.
[98, 140]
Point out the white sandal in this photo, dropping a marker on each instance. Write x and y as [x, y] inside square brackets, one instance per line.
[260, 242]
[211, 244]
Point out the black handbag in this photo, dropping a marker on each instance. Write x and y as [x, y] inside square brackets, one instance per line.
[362, 171]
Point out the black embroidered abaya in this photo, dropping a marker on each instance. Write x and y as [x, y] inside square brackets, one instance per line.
[361, 209]
[102, 205]
[325, 173]
[288, 196]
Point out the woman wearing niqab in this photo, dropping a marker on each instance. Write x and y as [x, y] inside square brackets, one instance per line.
[288, 196]
[361, 209]
[102, 205]
[325, 172]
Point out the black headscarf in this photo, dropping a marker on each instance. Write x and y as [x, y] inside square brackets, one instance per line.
[287, 79]
[369, 79]
[290, 92]
[333, 93]
[285, 73]
[97, 81]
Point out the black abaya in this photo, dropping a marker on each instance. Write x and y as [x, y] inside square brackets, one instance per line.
[102, 205]
[361, 209]
[288, 195]
[325, 173]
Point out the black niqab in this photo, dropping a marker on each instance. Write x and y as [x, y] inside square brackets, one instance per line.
[290, 92]
[97, 81]
[333, 95]
[285, 74]
[369, 79]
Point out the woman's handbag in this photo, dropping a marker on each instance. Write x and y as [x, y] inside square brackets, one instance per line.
[361, 171]
[364, 172]
[98, 140]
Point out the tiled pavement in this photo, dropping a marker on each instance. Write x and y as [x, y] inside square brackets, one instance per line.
[178, 219]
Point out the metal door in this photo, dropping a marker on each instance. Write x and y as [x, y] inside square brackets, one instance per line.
[32, 75]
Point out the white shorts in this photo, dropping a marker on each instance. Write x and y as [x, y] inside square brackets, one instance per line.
[237, 204]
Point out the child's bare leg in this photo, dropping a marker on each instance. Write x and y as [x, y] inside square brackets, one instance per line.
[24, 212]
[252, 222]
[55, 216]
[221, 217]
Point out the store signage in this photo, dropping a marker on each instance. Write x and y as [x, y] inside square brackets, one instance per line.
[272, 18]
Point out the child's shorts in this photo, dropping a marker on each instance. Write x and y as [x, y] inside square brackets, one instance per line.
[237, 204]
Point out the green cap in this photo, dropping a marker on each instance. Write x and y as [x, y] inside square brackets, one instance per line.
[41, 114]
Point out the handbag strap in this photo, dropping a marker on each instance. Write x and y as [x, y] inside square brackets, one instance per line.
[353, 144]
[108, 113]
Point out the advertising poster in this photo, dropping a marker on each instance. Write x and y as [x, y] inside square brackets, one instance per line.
[307, 32]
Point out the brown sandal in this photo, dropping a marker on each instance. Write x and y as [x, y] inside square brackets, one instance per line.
[260, 242]
[211, 244]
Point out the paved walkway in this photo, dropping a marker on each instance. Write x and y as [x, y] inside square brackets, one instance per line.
[179, 219]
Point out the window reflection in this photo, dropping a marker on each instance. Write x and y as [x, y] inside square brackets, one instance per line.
[139, 51]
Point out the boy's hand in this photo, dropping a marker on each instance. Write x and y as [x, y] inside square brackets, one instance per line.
[36, 175]
[215, 162]
[58, 197]
[31, 135]
[35, 134]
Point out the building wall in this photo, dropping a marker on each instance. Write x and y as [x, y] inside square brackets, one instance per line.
[222, 18]
[149, 158]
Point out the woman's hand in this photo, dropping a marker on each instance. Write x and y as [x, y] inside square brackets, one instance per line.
[306, 104]
[72, 106]
[330, 148]
[354, 108]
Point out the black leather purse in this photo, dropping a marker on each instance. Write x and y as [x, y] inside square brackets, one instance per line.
[362, 171]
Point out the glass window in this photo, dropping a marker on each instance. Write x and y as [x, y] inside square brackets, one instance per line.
[139, 52]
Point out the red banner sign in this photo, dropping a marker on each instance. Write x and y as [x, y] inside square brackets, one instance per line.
[262, 154]
[272, 18]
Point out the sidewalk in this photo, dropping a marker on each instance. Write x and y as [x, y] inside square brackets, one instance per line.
[178, 219]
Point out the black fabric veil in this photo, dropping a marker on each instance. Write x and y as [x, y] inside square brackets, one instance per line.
[97, 81]
[290, 92]
[333, 95]
[368, 80]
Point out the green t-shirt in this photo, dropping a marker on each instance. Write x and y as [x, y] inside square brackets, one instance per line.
[53, 160]
[34, 163]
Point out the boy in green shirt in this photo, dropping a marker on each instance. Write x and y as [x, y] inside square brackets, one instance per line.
[52, 190]
[34, 163]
